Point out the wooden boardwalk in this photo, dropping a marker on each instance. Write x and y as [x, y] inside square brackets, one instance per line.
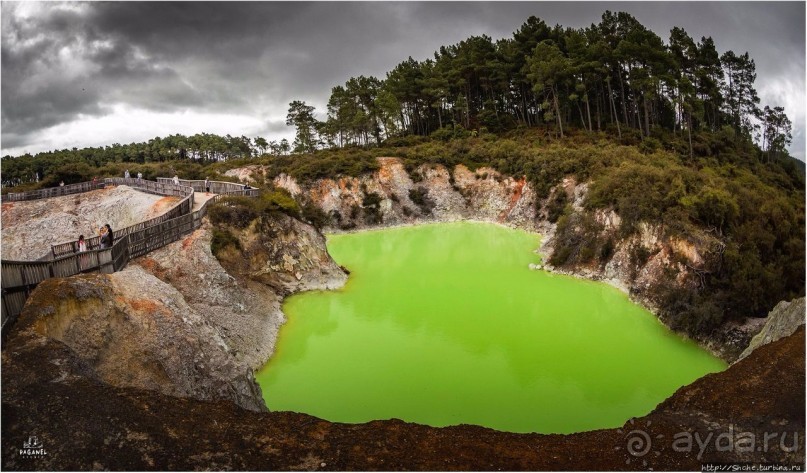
[19, 278]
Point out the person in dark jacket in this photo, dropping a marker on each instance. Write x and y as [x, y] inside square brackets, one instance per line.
[111, 236]
[107, 238]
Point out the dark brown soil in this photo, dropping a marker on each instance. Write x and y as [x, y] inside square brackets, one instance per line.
[84, 425]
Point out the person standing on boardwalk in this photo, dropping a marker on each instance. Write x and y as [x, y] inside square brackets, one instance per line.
[176, 179]
[82, 247]
[110, 235]
[207, 185]
[126, 174]
[106, 237]
[139, 176]
[102, 241]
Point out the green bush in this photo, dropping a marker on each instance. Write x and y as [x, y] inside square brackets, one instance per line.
[714, 207]
[279, 200]
[238, 211]
[448, 133]
[420, 197]
[72, 173]
[649, 145]
[577, 239]
[557, 205]
[314, 215]
[372, 208]
[223, 239]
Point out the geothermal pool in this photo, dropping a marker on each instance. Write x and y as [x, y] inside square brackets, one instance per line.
[445, 324]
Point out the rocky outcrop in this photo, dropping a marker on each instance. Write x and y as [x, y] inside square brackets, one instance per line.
[485, 194]
[429, 193]
[129, 329]
[240, 292]
[252, 174]
[245, 313]
[781, 322]
[31, 227]
[639, 263]
[84, 424]
[647, 263]
[730, 339]
[283, 253]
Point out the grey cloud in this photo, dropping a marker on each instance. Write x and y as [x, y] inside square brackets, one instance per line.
[254, 58]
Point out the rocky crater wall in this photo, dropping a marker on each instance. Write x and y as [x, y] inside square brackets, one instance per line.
[646, 264]
[176, 321]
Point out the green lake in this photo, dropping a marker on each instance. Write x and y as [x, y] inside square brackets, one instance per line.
[445, 324]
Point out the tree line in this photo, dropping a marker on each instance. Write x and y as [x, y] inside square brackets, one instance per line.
[611, 76]
[203, 148]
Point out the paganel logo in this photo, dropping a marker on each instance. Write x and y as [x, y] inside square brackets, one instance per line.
[32, 448]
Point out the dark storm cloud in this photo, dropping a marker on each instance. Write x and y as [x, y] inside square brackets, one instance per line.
[65, 62]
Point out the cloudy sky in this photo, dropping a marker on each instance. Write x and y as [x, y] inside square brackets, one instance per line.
[90, 74]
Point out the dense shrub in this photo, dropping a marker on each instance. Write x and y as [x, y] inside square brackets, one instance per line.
[420, 197]
[314, 215]
[557, 205]
[279, 200]
[371, 203]
[324, 164]
[577, 239]
[222, 239]
[713, 207]
[69, 174]
[238, 212]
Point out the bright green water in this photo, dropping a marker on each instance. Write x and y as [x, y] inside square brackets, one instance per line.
[445, 324]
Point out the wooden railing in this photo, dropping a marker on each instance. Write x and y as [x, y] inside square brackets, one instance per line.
[53, 191]
[21, 277]
[183, 207]
[216, 187]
